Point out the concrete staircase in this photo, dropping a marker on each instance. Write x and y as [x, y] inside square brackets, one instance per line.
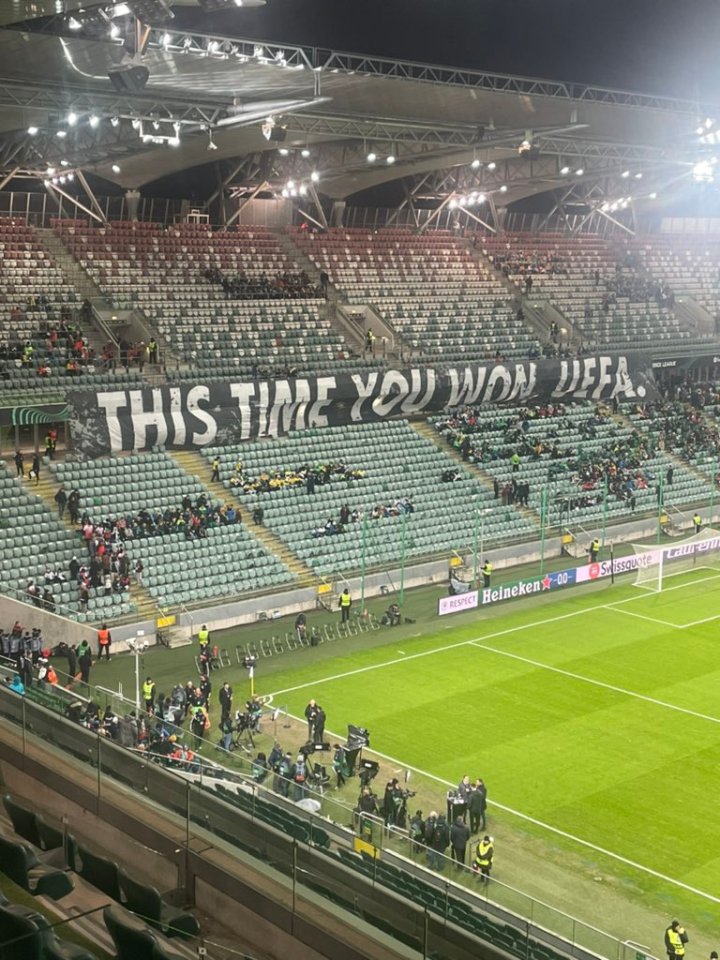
[46, 489]
[196, 465]
[429, 433]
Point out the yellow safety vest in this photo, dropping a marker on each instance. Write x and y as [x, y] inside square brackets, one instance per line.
[483, 855]
[203, 637]
[675, 941]
[345, 599]
[148, 691]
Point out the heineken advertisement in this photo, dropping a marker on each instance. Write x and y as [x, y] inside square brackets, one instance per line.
[196, 415]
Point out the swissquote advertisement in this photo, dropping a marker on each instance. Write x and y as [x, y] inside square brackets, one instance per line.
[197, 414]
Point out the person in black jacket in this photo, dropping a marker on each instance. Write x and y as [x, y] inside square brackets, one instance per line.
[477, 806]
[225, 699]
[459, 836]
[437, 838]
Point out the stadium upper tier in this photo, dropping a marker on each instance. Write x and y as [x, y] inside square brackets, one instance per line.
[38, 357]
[690, 264]
[176, 275]
[401, 475]
[428, 287]
[608, 298]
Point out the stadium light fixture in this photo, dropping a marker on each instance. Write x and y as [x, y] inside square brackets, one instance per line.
[652, 196]
[211, 143]
[114, 121]
[64, 163]
[638, 176]
[371, 157]
[32, 131]
[115, 168]
[284, 152]
[503, 188]
[475, 164]
[625, 174]
[703, 172]
[93, 121]
[72, 118]
[74, 24]
[50, 171]
[114, 31]
[120, 10]
[579, 172]
[492, 165]
[61, 133]
[315, 176]
[565, 171]
[390, 159]
[305, 152]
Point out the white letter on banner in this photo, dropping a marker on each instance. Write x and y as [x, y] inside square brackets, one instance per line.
[458, 386]
[142, 418]
[110, 402]
[177, 418]
[383, 404]
[263, 401]
[524, 384]
[473, 393]
[569, 375]
[589, 364]
[623, 381]
[604, 379]
[364, 390]
[243, 393]
[290, 404]
[194, 397]
[316, 417]
[496, 374]
[410, 405]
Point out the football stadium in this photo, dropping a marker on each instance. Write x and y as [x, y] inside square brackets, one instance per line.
[360, 535]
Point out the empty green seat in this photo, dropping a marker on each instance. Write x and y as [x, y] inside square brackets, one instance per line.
[145, 901]
[20, 864]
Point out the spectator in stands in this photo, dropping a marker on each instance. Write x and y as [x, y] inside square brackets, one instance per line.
[35, 469]
[61, 501]
[19, 464]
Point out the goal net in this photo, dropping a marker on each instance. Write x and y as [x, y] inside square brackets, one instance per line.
[701, 551]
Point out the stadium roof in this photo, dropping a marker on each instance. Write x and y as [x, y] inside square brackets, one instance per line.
[208, 97]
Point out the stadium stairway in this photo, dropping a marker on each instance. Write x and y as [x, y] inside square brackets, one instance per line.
[429, 433]
[73, 272]
[46, 489]
[196, 465]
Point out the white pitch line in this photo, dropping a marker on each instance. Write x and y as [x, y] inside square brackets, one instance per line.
[427, 653]
[596, 683]
[696, 623]
[545, 826]
[642, 616]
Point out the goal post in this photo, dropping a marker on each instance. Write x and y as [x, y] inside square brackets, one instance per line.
[701, 551]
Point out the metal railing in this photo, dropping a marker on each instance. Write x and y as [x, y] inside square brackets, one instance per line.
[194, 788]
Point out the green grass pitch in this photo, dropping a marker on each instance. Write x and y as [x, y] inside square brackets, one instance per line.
[595, 715]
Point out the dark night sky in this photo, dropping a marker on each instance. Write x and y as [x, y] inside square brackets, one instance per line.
[656, 46]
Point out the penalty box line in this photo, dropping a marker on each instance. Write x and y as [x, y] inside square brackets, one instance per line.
[539, 823]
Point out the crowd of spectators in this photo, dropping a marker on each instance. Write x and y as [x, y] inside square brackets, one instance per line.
[524, 263]
[193, 518]
[290, 285]
[306, 476]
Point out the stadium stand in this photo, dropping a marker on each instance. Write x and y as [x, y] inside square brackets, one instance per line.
[225, 559]
[398, 465]
[429, 288]
[689, 263]
[45, 346]
[571, 451]
[164, 272]
[33, 542]
[607, 301]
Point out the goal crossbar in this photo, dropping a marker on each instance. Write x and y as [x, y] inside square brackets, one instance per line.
[697, 552]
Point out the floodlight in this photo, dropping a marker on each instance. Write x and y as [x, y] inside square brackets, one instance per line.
[305, 152]
[503, 188]
[303, 190]
[115, 168]
[61, 133]
[390, 159]
[625, 174]
[74, 24]
[492, 165]
[115, 121]
[314, 176]
[114, 31]
[120, 10]
[703, 172]
[93, 121]
[32, 131]
[371, 157]
[64, 163]
[475, 164]
[453, 203]
[638, 176]
[579, 172]
[565, 171]
[283, 151]
[481, 198]
[653, 195]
